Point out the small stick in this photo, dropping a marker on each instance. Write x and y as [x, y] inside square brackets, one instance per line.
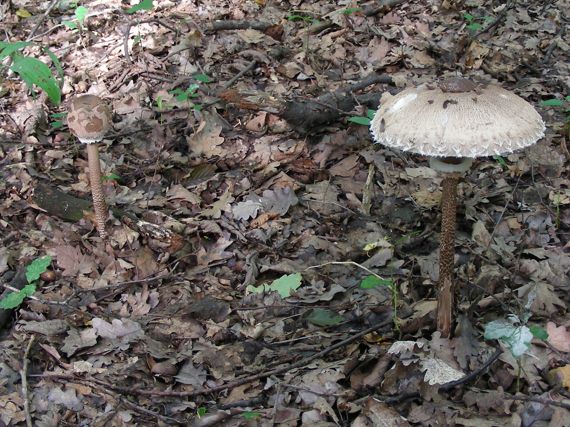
[249, 67]
[24, 377]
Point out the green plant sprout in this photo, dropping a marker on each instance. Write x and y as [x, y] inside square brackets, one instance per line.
[370, 282]
[475, 24]
[111, 177]
[374, 281]
[558, 103]
[284, 285]
[32, 70]
[251, 415]
[324, 318]
[57, 120]
[351, 10]
[79, 22]
[142, 5]
[33, 273]
[201, 411]
[305, 18]
[363, 120]
[516, 335]
[501, 161]
[184, 95]
[203, 78]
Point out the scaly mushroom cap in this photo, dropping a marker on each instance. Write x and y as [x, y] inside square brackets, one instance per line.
[89, 118]
[457, 118]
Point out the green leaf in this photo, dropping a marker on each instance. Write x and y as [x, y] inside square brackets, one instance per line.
[554, 102]
[516, 338]
[111, 177]
[351, 10]
[468, 17]
[57, 121]
[285, 285]
[250, 415]
[322, 317]
[35, 72]
[359, 120]
[202, 78]
[538, 332]
[474, 26]
[305, 18]
[371, 114]
[7, 49]
[56, 64]
[70, 24]
[14, 299]
[501, 161]
[201, 411]
[81, 13]
[371, 282]
[37, 267]
[143, 5]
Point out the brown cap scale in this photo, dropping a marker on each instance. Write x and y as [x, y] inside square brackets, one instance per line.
[453, 122]
[89, 118]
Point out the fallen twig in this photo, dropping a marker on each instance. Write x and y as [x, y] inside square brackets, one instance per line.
[452, 384]
[24, 377]
[238, 25]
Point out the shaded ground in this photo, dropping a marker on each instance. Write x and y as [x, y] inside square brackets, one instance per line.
[234, 185]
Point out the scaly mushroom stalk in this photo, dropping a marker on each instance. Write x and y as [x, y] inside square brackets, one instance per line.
[447, 254]
[95, 180]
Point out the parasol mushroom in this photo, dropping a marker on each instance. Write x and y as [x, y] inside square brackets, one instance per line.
[454, 122]
[89, 118]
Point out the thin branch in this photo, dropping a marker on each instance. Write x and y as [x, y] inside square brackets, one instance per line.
[24, 377]
[42, 19]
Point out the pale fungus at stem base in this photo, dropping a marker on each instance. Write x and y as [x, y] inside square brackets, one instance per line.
[452, 122]
[89, 118]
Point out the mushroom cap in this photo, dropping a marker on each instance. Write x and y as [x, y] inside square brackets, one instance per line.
[457, 118]
[89, 118]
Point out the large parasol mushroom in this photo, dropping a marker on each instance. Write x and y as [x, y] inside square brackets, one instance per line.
[453, 122]
[89, 118]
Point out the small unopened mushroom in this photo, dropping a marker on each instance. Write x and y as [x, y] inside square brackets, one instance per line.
[89, 118]
[453, 122]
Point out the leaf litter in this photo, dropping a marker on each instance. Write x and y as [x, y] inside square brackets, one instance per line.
[226, 294]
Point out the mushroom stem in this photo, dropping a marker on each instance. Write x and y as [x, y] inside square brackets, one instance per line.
[447, 253]
[99, 205]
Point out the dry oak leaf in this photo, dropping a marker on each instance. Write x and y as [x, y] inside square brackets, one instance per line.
[73, 261]
[558, 336]
[206, 140]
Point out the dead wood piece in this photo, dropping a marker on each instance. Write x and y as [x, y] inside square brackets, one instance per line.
[238, 25]
[308, 115]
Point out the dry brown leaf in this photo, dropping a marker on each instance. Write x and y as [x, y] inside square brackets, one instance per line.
[558, 336]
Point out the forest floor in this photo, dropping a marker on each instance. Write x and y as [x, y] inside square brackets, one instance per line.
[252, 221]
